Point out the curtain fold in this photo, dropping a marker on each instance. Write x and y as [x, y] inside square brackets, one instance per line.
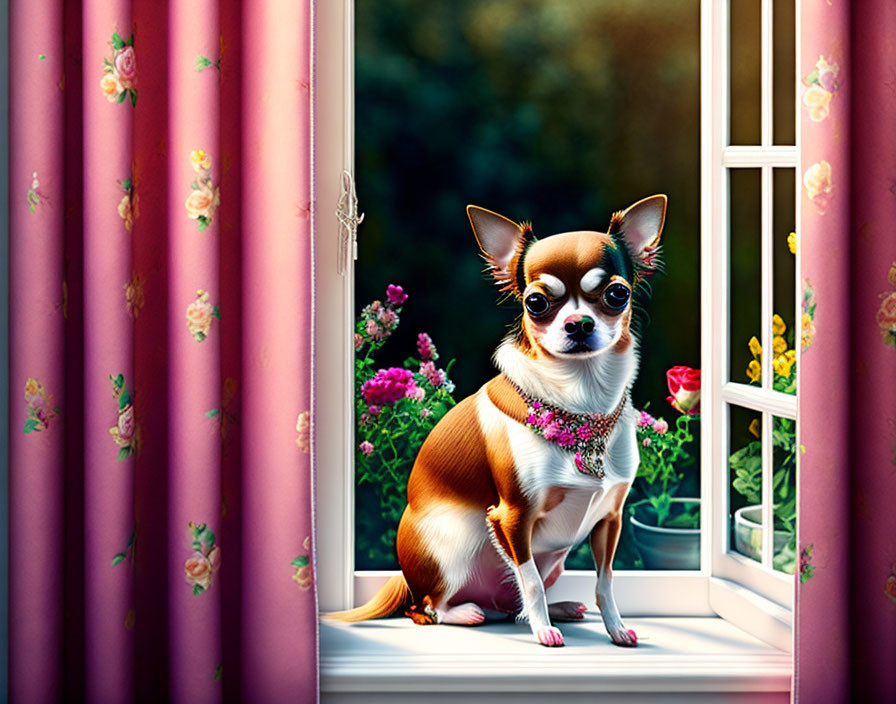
[160, 316]
[846, 594]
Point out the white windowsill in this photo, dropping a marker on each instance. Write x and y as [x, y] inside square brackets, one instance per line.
[686, 658]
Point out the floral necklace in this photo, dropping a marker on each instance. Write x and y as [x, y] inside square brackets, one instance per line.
[585, 434]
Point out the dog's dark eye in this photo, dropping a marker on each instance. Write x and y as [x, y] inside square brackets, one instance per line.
[537, 304]
[616, 296]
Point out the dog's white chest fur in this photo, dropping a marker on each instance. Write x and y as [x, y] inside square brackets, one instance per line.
[544, 468]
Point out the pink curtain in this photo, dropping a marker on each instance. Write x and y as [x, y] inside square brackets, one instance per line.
[846, 598]
[160, 318]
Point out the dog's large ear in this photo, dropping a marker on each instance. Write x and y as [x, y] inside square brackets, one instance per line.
[640, 226]
[502, 242]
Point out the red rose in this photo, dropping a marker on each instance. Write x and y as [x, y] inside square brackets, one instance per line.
[684, 385]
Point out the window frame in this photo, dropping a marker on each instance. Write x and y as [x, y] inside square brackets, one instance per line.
[722, 585]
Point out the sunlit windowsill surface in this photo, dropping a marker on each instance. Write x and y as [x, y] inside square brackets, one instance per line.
[678, 659]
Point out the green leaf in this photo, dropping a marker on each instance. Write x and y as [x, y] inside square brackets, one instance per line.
[216, 312]
[124, 453]
[812, 77]
[133, 97]
[197, 590]
[121, 96]
[120, 557]
[209, 539]
[124, 398]
[118, 381]
[196, 545]
[212, 413]
[300, 561]
[30, 425]
[41, 56]
[202, 222]
[126, 184]
[117, 41]
[131, 40]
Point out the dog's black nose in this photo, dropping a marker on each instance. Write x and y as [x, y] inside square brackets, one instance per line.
[578, 327]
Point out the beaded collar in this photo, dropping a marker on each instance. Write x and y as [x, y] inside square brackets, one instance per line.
[585, 434]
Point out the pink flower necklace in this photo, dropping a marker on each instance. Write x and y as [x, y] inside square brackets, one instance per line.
[585, 434]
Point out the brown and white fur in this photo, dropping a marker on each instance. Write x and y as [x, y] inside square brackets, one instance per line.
[493, 509]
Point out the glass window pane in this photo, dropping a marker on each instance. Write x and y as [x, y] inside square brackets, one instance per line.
[784, 493]
[514, 107]
[745, 472]
[745, 56]
[784, 71]
[745, 274]
[784, 328]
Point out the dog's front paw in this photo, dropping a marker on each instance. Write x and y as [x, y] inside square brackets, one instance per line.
[549, 636]
[623, 638]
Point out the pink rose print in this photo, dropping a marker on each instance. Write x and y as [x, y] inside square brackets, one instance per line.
[205, 559]
[304, 575]
[819, 185]
[127, 206]
[120, 71]
[133, 296]
[890, 586]
[124, 433]
[34, 197]
[886, 318]
[821, 85]
[204, 196]
[303, 428]
[200, 314]
[39, 405]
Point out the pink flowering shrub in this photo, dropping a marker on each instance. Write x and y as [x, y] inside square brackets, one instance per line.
[667, 454]
[395, 408]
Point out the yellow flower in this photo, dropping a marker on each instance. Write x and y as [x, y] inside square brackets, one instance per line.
[32, 387]
[781, 364]
[779, 344]
[200, 160]
[755, 347]
[807, 334]
[754, 427]
[754, 370]
[778, 326]
[791, 356]
[791, 242]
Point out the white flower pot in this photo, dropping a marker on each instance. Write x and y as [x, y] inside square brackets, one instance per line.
[748, 533]
[668, 548]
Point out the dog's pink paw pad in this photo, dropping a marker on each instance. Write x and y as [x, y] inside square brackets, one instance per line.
[550, 636]
[624, 639]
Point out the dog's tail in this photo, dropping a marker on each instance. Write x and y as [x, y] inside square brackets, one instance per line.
[394, 596]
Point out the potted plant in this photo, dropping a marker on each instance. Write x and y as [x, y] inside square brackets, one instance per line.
[666, 526]
[395, 408]
[746, 463]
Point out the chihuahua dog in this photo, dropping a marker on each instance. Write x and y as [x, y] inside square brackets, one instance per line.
[543, 455]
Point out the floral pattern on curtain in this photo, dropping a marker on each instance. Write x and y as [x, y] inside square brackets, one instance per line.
[160, 334]
[846, 595]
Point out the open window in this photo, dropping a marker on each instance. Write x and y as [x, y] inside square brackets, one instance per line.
[744, 196]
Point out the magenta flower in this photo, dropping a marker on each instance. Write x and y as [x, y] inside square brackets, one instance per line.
[645, 420]
[416, 392]
[389, 318]
[646, 442]
[552, 431]
[660, 426]
[532, 419]
[584, 432]
[359, 341]
[565, 438]
[395, 295]
[434, 376]
[374, 410]
[374, 330]
[426, 348]
[366, 447]
[388, 386]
